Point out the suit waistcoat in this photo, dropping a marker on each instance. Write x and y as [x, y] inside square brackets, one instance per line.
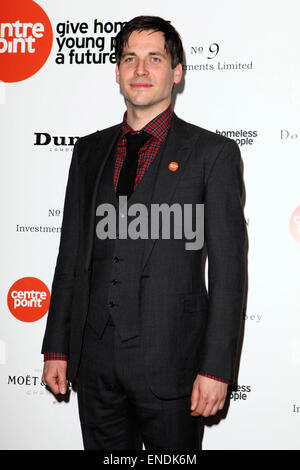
[117, 263]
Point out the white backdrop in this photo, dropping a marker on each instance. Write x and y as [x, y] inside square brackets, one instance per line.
[242, 79]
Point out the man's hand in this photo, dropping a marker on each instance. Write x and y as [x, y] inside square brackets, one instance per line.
[54, 375]
[208, 396]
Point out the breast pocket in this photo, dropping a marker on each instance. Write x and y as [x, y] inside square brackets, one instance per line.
[190, 181]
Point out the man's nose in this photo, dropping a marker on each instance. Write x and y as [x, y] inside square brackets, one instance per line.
[141, 68]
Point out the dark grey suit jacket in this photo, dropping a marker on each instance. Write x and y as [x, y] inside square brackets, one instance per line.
[186, 329]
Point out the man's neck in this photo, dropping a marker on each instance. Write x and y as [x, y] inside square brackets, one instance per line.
[138, 117]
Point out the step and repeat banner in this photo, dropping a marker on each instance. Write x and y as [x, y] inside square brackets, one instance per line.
[57, 83]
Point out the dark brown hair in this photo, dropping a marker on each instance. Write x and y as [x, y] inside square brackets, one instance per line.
[173, 44]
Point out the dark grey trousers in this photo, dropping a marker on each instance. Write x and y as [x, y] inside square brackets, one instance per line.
[117, 408]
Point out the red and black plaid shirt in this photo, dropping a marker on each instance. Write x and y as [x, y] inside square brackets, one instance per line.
[158, 128]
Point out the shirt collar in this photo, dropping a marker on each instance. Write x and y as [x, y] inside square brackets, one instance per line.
[158, 127]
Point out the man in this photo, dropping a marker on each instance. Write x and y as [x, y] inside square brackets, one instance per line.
[130, 319]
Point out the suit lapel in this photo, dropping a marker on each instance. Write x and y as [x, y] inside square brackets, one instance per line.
[99, 154]
[177, 150]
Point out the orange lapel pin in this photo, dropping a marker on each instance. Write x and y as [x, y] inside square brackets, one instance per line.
[173, 166]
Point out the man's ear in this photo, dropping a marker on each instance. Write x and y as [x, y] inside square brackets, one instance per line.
[177, 73]
[117, 74]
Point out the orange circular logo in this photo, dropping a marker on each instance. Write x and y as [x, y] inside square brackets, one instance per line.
[295, 224]
[173, 166]
[28, 299]
[25, 39]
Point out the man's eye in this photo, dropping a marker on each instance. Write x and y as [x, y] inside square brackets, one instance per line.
[155, 59]
[129, 59]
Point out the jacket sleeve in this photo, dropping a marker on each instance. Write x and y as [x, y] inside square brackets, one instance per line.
[56, 336]
[225, 238]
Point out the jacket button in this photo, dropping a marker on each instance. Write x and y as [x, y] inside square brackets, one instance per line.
[114, 282]
[112, 304]
[116, 259]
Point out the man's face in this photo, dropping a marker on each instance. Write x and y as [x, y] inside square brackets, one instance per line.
[145, 74]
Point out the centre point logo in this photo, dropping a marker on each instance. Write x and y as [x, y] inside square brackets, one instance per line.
[26, 39]
[28, 299]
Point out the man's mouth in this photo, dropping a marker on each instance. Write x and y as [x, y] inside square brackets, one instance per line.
[141, 85]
